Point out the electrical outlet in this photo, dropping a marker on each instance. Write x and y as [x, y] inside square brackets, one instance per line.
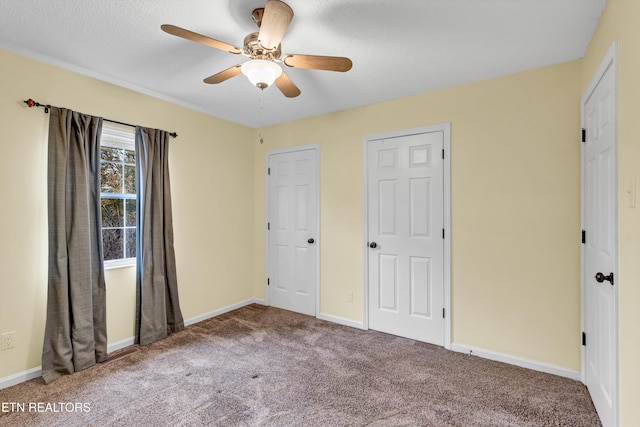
[8, 340]
[349, 296]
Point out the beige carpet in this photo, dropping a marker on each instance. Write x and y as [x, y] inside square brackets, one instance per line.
[264, 366]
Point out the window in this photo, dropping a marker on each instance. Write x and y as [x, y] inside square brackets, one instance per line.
[118, 196]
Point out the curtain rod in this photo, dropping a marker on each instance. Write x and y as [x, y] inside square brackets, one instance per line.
[31, 103]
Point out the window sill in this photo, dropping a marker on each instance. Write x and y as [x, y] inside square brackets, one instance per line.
[119, 263]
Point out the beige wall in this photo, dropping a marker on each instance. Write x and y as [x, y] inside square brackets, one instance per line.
[211, 193]
[515, 207]
[620, 22]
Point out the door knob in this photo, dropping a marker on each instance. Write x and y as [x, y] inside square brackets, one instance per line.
[601, 278]
[373, 245]
[310, 241]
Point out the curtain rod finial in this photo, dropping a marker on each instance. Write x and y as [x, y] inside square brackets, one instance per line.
[31, 103]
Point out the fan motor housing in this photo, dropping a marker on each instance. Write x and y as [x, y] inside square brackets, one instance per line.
[253, 49]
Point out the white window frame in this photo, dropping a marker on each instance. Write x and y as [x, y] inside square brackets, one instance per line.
[124, 139]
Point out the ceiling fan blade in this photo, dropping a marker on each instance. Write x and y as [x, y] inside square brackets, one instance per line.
[275, 21]
[224, 75]
[199, 38]
[287, 87]
[328, 63]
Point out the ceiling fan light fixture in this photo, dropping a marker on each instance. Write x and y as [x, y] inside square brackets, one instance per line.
[261, 72]
[263, 48]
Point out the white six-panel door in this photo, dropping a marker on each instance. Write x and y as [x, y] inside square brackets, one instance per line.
[405, 236]
[600, 246]
[292, 230]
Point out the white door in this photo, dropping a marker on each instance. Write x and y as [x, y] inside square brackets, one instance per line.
[599, 219]
[292, 230]
[405, 232]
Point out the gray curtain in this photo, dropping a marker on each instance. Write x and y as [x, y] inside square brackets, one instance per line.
[158, 309]
[76, 331]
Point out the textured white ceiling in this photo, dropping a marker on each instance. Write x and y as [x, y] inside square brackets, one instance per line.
[398, 48]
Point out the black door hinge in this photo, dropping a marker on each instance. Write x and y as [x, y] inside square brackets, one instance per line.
[584, 339]
[443, 233]
[584, 135]
[268, 226]
[268, 281]
[443, 313]
[584, 237]
[268, 171]
[443, 153]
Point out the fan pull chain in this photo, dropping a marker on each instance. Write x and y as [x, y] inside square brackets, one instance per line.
[260, 108]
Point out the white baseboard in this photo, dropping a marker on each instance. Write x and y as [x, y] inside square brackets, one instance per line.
[118, 345]
[341, 320]
[219, 311]
[518, 361]
[30, 374]
[20, 377]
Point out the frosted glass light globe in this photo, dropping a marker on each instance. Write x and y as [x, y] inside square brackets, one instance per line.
[260, 72]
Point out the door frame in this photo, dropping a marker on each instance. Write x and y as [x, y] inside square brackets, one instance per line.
[318, 241]
[610, 61]
[445, 128]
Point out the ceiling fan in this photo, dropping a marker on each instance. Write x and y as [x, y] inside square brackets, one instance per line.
[264, 50]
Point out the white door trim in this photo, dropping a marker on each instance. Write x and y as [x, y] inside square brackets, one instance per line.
[610, 61]
[446, 129]
[318, 242]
